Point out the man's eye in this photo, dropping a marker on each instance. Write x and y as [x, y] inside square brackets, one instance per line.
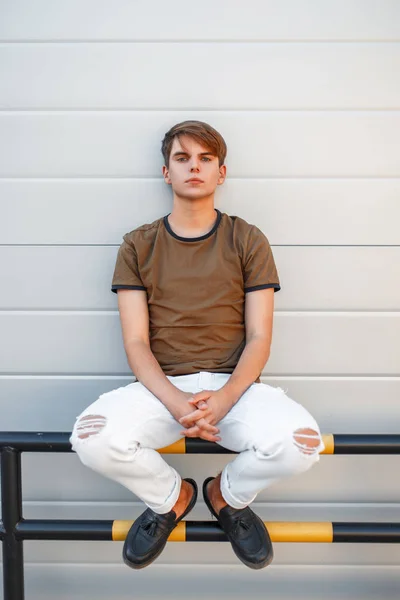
[184, 158]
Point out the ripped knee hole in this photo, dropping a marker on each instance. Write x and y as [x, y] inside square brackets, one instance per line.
[90, 425]
[307, 440]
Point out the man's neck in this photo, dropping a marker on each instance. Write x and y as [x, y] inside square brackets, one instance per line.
[191, 221]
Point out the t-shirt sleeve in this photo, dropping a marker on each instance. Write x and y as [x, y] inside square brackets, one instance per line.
[259, 269]
[126, 272]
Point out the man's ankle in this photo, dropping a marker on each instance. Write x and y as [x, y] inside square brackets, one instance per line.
[216, 497]
[183, 499]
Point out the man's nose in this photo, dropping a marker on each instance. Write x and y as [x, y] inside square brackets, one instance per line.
[194, 165]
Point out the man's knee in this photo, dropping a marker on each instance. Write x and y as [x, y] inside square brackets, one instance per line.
[296, 450]
[100, 448]
[307, 440]
[89, 425]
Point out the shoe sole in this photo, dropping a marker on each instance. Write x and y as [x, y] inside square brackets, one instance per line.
[186, 511]
[211, 509]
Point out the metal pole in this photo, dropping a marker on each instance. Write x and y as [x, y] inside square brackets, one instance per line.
[11, 503]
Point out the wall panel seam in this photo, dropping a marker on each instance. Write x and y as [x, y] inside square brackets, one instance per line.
[194, 40]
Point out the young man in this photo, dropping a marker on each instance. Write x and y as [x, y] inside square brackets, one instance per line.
[196, 299]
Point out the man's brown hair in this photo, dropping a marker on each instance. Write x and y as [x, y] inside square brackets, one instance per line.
[202, 133]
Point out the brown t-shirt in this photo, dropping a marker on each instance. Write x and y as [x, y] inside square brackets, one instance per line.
[196, 289]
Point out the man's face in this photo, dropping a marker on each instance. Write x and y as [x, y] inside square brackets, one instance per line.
[189, 159]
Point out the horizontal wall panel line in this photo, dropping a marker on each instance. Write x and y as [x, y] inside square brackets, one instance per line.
[114, 503]
[213, 109]
[201, 41]
[60, 375]
[105, 376]
[123, 375]
[146, 178]
[231, 177]
[285, 567]
[21, 376]
[286, 313]
[287, 574]
[272, 245]
[93, 311]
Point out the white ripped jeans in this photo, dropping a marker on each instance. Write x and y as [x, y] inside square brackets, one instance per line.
[118, 434]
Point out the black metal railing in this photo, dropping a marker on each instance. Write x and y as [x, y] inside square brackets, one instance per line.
[14, 529]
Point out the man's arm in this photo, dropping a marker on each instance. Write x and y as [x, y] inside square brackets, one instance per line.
[259, 309]
[134, 315]
[259, 313]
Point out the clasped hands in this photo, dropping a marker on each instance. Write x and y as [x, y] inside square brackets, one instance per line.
[210, 406]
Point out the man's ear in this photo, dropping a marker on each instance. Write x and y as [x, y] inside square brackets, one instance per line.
[222, 174]
[165, 173]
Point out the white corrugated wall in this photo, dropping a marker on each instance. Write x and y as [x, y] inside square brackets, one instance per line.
[307, 96]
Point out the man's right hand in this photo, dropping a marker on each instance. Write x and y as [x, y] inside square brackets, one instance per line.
[207, 431]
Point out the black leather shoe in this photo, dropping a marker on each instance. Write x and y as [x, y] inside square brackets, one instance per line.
[246, 532]
[149, 533]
